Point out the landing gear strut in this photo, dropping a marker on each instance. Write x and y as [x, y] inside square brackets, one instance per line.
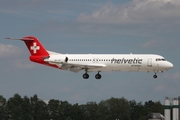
[85, 75]
[98, 76]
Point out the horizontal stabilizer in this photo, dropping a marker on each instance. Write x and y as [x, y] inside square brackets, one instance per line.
[23, 39]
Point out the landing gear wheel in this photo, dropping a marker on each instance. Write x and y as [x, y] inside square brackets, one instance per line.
[98, 76]
[154, 76]
[85, 76]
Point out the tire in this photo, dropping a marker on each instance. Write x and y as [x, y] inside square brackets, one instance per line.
[85, 76]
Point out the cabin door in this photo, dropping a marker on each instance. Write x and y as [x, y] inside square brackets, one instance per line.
[149, 62]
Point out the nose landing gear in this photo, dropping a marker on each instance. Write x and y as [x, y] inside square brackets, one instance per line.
[155, 76]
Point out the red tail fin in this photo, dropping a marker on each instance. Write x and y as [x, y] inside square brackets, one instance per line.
[34, 46]
[36, 49]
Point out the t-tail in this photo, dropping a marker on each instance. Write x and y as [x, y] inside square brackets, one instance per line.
[36, 49]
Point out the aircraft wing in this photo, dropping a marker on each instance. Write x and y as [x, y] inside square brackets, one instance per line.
[76, 67]
[79, 67]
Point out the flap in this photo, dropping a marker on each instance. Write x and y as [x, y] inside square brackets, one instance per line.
[77, 67]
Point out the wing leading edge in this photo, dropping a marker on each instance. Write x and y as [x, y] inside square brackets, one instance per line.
[76, 67]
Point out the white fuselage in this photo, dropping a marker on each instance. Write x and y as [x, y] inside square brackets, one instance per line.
[115, 62]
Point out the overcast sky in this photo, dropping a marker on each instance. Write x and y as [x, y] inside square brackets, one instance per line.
[68, 26]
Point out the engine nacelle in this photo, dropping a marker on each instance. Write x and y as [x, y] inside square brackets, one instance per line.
[57, 59]
[62, 59]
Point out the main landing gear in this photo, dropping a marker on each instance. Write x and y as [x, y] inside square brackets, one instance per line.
[86, 76]
[98, 76]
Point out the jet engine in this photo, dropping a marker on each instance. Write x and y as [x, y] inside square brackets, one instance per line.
[62, 59]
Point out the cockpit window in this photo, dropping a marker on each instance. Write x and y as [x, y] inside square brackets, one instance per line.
[160, 59]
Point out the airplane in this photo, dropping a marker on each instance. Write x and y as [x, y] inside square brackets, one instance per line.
[95, 62]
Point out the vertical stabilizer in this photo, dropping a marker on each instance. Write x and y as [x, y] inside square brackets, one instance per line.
[36, 49]
[34, 46]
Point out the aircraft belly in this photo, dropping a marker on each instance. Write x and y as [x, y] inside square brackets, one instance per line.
[121, 67]
[130, 67]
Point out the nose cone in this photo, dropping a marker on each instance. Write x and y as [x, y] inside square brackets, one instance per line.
[169, 65]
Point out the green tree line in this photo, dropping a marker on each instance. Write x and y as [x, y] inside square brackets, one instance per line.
[33, 108]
